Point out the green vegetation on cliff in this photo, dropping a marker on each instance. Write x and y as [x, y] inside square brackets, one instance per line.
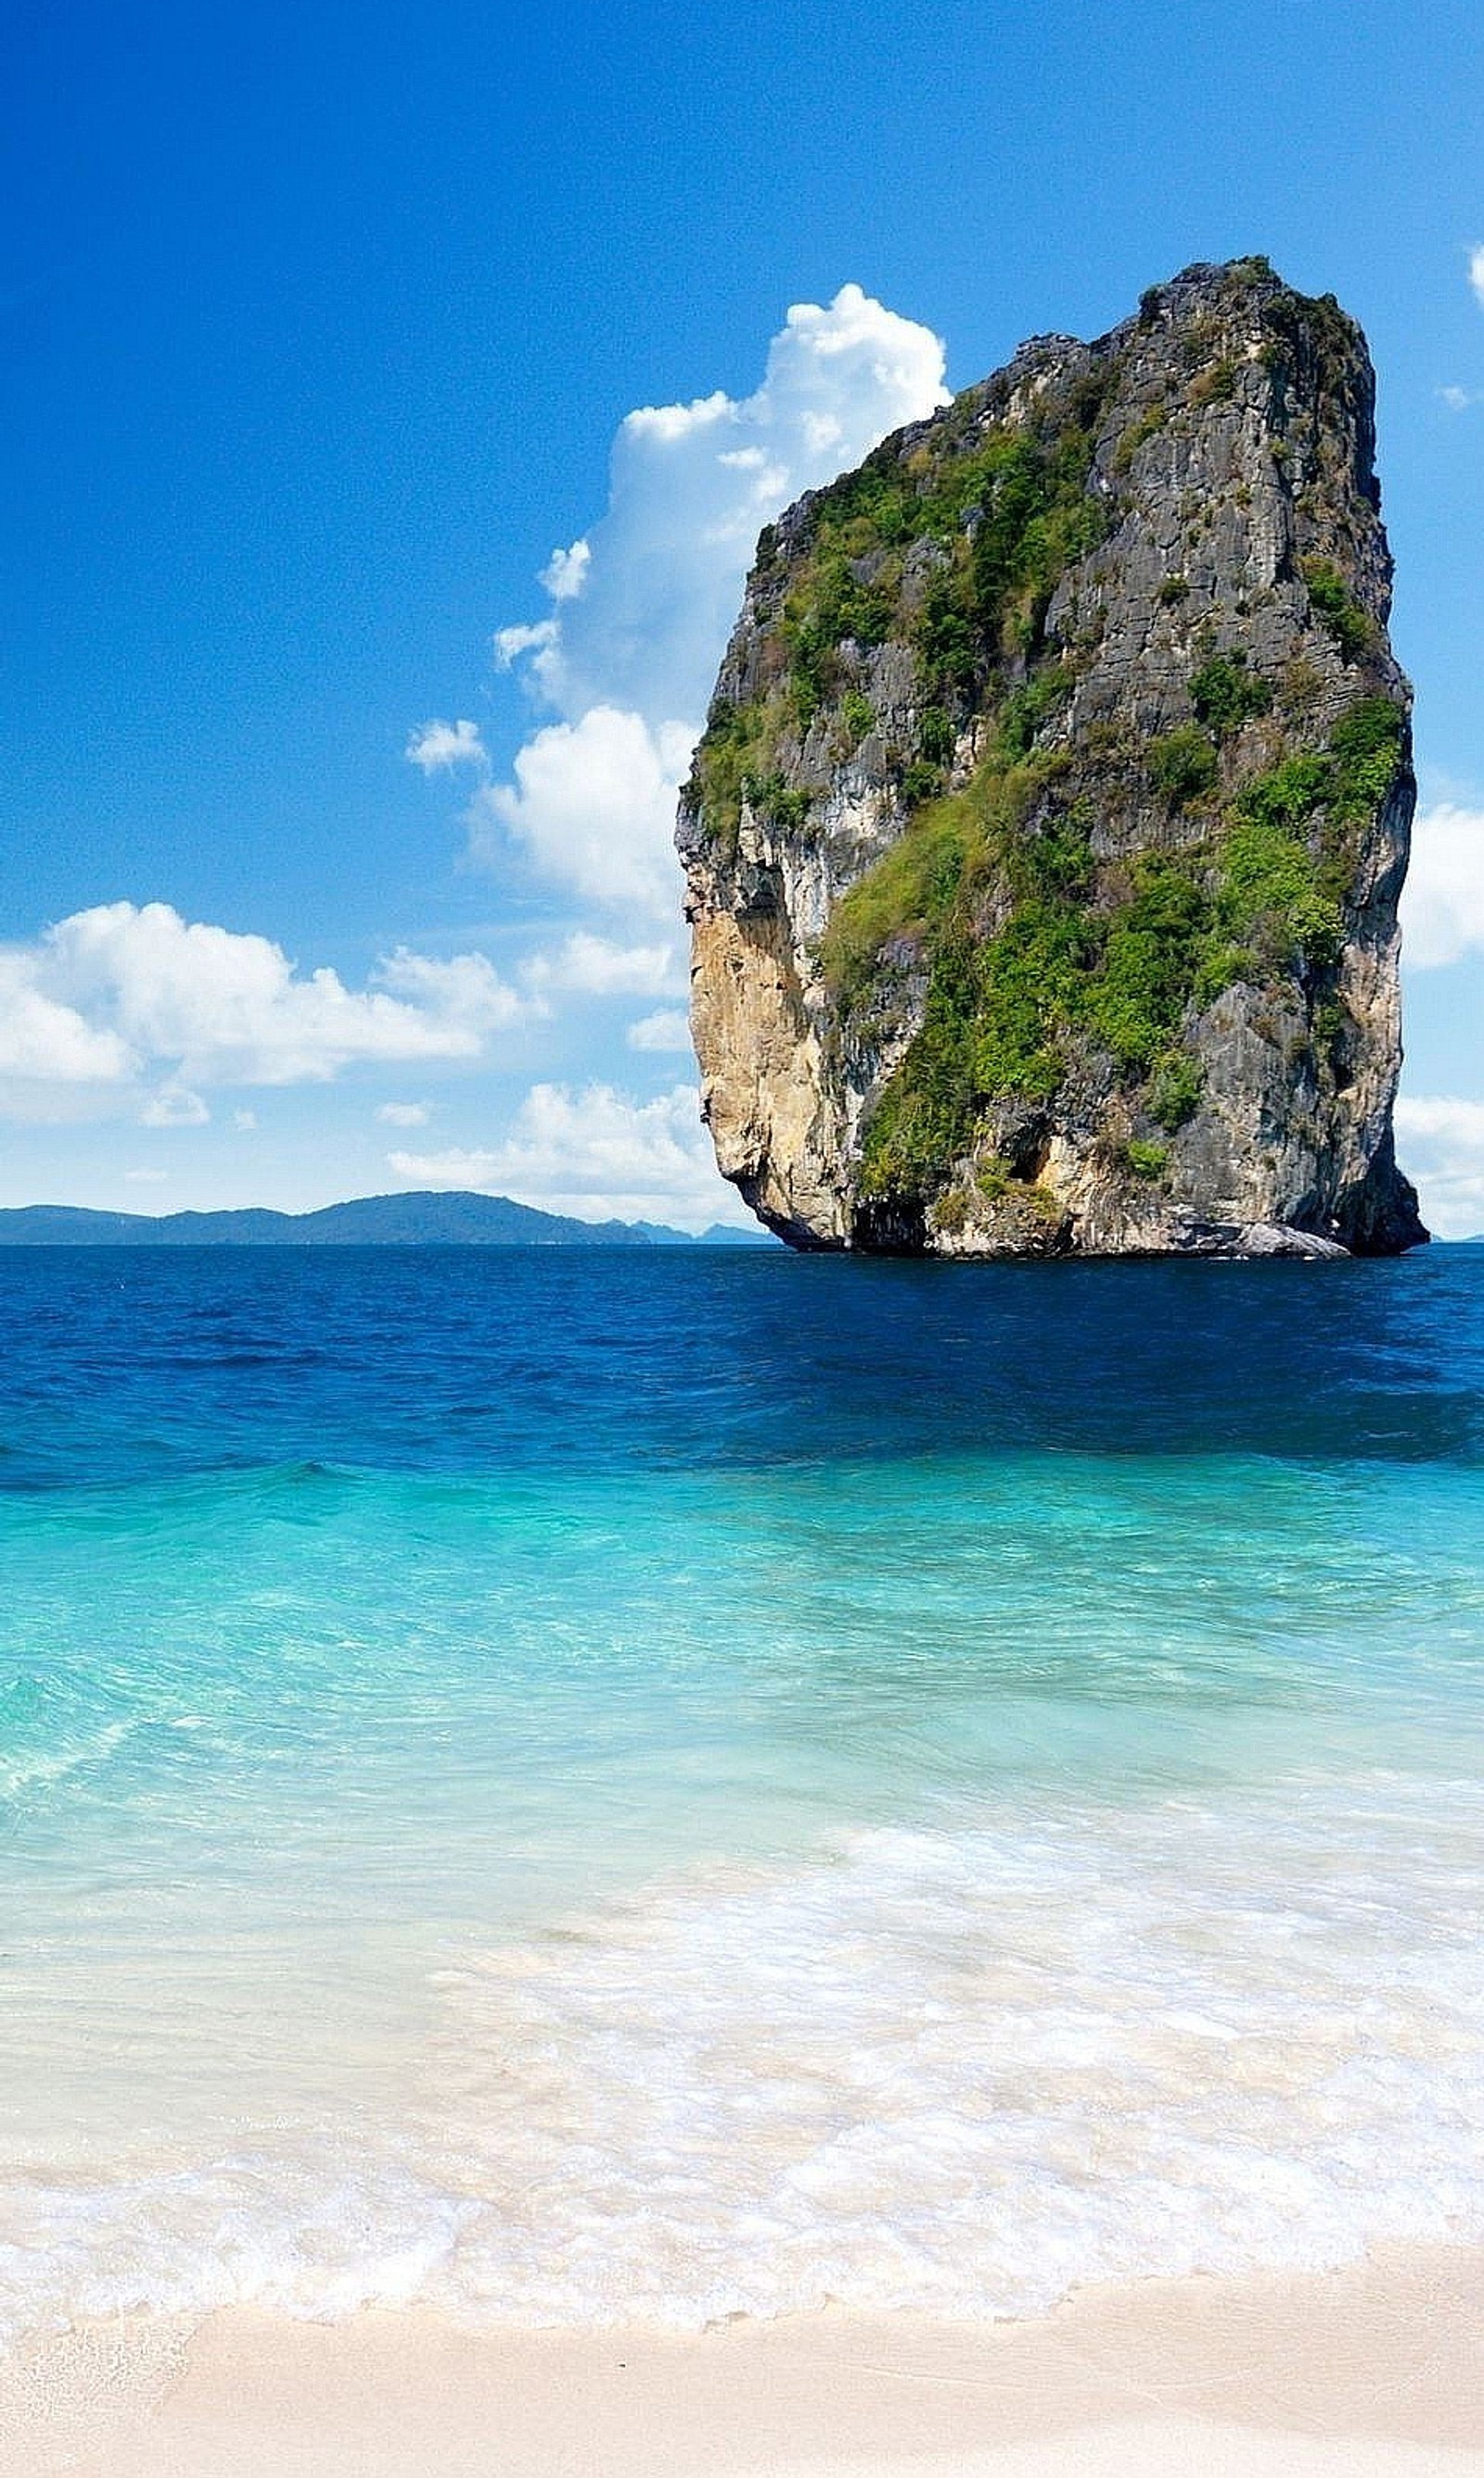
[992, 523]
[1033, 954]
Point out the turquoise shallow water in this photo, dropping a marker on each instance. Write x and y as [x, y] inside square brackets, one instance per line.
[562, 1784]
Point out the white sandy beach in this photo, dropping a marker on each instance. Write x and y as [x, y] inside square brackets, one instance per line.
[1377, 2372]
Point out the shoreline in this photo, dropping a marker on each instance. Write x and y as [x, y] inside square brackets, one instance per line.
[1372, 2369]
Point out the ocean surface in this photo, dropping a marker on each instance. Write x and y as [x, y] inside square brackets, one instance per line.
[568, 1785]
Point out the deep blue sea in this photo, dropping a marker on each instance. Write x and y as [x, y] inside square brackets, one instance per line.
[577, 1784]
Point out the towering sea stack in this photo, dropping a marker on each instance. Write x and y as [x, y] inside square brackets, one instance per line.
[1045, 843]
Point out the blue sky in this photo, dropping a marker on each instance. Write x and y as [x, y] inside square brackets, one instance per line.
[321, 326]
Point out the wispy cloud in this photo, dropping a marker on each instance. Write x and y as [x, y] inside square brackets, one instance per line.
[565, 572]
[668, 1030]
[436, 746]
[594, 1153]
[593, 967]
[174, 1105]
[536, 638]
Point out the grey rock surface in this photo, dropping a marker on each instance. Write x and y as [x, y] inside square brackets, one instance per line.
[1171, 680]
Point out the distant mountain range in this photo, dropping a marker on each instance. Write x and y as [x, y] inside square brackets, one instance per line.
[432, 1219]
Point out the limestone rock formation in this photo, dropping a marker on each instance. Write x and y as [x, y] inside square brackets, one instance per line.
[1044, 841]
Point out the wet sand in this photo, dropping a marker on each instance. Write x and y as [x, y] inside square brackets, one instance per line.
[1376, 2372]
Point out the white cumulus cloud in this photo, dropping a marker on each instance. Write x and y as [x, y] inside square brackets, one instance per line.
[403, 1114]
[1443, 901]
[593, 804]
[668, 1028]
[438, 746]
[116, 994]
[47, 1041]
[692, 486]
[643, 602]
[1476, 273]
[597, 1153]
[1441, 1142]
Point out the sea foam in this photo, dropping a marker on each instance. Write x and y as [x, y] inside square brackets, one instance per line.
[958, 2070]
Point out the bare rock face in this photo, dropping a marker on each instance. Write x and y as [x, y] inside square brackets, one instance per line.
[1045, 843]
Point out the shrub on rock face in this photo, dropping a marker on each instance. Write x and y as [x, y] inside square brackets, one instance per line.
[1183, 764]
[1175, 1090]
[1225, 695]
[1351, 629]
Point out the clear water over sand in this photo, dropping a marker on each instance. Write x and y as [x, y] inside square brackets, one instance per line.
[575, 1786]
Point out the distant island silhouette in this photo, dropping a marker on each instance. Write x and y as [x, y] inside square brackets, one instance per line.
[425, 1218]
